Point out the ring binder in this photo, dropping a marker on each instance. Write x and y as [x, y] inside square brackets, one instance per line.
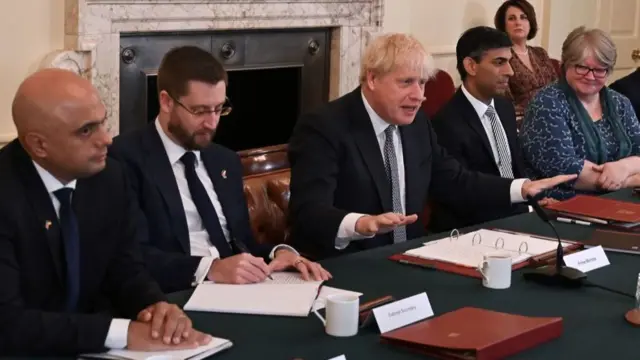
[526, 244]
[473, 240]
[461, 253]
[498, 244]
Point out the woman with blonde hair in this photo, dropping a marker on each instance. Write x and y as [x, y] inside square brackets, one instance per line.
[579, 126]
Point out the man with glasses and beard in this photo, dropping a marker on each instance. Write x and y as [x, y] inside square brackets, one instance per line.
[190, 189]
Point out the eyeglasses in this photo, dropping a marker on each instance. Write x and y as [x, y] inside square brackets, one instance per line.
[597, 72]
[223, 110]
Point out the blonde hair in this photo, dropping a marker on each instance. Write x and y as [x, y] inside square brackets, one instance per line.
[582, 42]
[388, 52]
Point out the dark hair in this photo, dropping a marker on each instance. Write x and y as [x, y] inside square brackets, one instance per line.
[188, 63]
[500, 19]
[475, 42]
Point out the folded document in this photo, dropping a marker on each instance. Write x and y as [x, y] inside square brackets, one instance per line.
[216, 345]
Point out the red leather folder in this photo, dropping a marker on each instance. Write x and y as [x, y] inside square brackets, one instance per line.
[599, 208]
[616, 241]
[543, 259]
[473, 333]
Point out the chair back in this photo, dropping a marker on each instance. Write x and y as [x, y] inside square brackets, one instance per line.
[556, 65]
[266, 189]
[438, 91]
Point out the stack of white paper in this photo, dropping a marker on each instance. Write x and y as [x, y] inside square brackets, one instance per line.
[286, 295]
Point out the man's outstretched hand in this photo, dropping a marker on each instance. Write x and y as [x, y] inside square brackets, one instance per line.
[533, 188]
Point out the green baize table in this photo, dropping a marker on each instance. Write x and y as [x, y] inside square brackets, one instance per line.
[594, 324]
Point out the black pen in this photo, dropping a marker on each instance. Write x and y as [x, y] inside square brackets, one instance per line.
[243, 248]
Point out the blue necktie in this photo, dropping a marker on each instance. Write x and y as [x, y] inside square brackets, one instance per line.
[71, 238]
[205, 207]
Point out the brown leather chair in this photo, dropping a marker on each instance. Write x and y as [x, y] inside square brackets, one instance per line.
[266, 188]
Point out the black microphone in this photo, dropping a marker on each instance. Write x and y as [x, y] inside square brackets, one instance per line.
[558, 275]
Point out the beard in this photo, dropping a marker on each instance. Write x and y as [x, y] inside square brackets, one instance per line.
[197, 140]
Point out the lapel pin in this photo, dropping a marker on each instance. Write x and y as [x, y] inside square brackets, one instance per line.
[47, 224]
[224, 174]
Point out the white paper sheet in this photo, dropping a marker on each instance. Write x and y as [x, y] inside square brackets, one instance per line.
[216, 345]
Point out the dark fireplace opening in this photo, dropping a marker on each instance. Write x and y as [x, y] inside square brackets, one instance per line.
[265, 107]
[275, 75]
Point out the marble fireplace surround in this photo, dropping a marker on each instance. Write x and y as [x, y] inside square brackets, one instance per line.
[93, 27]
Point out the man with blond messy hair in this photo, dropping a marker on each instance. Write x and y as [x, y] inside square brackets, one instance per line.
[364, 165]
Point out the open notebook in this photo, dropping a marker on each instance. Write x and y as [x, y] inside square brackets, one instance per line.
[286, 295]
[216, 345]
[469, 249]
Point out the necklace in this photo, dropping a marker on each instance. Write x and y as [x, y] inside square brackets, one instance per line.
[521, 52]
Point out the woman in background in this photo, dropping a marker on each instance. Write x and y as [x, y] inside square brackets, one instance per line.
[579, 126]
[532, 67]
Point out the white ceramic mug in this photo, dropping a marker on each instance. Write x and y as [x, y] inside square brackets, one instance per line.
[341, 311]
[496, 271]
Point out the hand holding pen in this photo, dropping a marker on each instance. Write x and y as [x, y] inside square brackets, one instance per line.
[242, 268]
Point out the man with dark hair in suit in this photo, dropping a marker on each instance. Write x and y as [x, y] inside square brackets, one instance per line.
[364, 165]
[191, 190]
[70, 270]
[629, 86]
[478, 125]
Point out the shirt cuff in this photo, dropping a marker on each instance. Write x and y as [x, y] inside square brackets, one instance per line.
[516, 191]
[347, 231]
[117, 334]
[202, 270]
[272, 254]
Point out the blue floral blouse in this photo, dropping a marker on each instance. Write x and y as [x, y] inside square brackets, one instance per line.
[553, 142]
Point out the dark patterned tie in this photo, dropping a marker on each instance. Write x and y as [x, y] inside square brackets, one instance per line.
[205, 207]
[71, 237]
[504, 157]
[391, 166]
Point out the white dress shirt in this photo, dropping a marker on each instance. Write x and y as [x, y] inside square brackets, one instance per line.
[119, 328]
[199, 241]
[347, 229]
[481, 110]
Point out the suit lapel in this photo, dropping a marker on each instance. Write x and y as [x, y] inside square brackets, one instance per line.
[160, 171]
[221, 184]
[411, 155]
[471, 117]
[367, 142]
[508, 119]
[46, 220]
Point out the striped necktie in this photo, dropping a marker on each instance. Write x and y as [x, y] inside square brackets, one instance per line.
[504, 156]
[391, 167]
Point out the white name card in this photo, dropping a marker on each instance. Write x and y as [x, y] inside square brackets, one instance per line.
[403, 312]
[587, 260]
[341, 357]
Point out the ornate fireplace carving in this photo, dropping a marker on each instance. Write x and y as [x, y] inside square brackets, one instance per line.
[93, 28]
